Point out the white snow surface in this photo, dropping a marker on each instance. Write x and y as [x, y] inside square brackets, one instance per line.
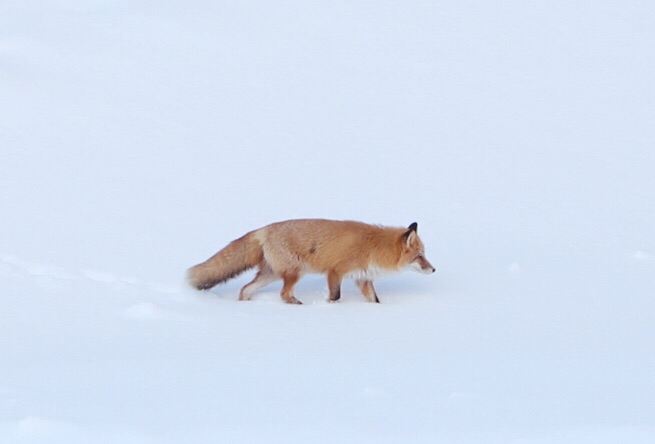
[139, 137]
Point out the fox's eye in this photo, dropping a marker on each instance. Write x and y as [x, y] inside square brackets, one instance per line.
[419, 256]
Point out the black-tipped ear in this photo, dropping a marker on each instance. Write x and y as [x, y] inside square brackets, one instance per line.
[411, 230]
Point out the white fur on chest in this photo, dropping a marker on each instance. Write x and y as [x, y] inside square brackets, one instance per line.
[368, 273]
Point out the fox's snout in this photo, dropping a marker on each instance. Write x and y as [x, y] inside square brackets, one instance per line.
[427, 268]
[422, 265]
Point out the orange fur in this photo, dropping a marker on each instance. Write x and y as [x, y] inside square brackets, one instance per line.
[288, 250]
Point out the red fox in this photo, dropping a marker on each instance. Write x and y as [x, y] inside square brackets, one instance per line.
[340, 249]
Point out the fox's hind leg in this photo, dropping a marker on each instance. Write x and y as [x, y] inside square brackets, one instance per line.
[264, 277]
[367, 289]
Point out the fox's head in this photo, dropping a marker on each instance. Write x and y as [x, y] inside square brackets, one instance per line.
[413, 252]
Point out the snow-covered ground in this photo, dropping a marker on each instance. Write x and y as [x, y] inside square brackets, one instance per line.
[137, 138]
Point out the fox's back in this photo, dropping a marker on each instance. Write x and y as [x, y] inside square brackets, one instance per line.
[325, 245]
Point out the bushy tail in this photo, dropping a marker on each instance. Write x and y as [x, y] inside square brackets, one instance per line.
[240, 255]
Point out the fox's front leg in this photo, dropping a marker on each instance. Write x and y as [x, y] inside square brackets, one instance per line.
[367, 289]
[290, 280]
[334, 285]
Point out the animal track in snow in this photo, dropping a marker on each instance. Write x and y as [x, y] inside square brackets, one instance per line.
[641, 255]
[150, 311]
[40, 427]
[49, 275]
[515, 267]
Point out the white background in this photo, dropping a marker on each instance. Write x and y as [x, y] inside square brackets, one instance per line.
[139, 137]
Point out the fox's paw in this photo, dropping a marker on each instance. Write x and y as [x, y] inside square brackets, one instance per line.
[293, 300]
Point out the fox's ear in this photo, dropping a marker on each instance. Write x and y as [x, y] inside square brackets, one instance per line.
[410, 234]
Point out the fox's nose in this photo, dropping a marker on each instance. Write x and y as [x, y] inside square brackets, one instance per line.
[428, 269]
